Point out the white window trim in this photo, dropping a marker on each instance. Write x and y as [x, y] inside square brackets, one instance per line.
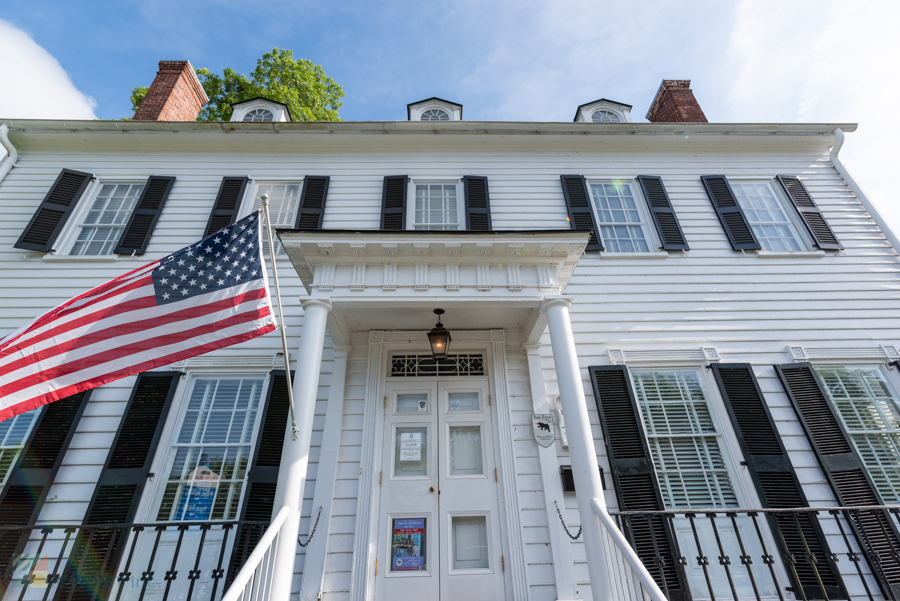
[790, 210]
[252, 193]
[647, 224]
[411, 200]
[69, 235]
[156, 486]
[590, 114]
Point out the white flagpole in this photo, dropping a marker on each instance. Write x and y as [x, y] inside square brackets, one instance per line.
[284, 344]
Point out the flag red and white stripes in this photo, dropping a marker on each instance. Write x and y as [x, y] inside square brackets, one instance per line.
[207, 296]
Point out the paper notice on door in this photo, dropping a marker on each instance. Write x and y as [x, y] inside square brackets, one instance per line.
[408, 545]
[411, 446]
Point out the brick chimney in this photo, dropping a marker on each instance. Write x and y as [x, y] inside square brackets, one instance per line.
[675, 103]
[175, 94]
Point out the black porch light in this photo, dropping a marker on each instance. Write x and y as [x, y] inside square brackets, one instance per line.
[439, 338]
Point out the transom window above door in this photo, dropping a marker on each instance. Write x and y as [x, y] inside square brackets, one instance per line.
[437, 206]
[100, 227]
[621, 216]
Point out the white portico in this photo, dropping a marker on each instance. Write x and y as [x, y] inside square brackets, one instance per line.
[491, 285]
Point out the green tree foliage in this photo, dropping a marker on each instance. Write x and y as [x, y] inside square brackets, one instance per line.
[299, 83]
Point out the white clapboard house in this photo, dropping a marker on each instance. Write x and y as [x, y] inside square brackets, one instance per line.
[668, 340]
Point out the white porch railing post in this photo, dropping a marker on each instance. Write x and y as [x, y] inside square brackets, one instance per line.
[588, 485]
[306, 385]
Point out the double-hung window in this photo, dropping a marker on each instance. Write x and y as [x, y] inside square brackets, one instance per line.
[100, 227]
[694, 472]
[211, 449]
[870, 411]
[621, 216]
[436, 206]
[768, 217]
[13, 434]
[284, 198]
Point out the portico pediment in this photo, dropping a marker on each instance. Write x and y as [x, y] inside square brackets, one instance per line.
[502, 275]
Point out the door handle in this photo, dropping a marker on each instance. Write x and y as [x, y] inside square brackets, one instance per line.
[432, 489]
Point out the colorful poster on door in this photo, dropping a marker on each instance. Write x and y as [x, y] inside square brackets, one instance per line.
[197, 497]
[408, 545]
[411, 446]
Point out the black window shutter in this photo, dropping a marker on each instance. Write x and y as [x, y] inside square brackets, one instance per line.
[875, 531]
[776, 482]
[393, 202]
[145, 215]
[262, 478]
[54, 210]
[581, 213]
[478, 203]
[730, 213]
[667, 225]
[119, 488]
[635, 478]
[812, 216]
[228, 203]
[36, 466]
[312, 202]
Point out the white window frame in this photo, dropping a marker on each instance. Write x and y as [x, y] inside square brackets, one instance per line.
[606, 110]
[787, 206]
[411, 201]
[252, 193]
[647, 224]
[162, 460]
[16, 450]
[69, 235]
[893, 389]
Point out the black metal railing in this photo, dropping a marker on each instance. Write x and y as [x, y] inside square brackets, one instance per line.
[188, 561]
[812, 552]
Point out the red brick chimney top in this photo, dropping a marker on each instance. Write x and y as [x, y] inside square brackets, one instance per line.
[675, 103]
[174, 95]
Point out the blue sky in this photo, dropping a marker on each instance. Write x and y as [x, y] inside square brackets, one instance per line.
[749, 60]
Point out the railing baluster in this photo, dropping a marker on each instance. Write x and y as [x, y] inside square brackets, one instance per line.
[172, 573]
[724, 560]
[810, 558]
[657, 556]
[54, 577]
[219, 572]
[80, 570]
[148, 575]
[851, 554]
[702, 560]
[105, 567]
[29, 578]
[767, 558]
[746, 559]
[125, 574]
[194, 574]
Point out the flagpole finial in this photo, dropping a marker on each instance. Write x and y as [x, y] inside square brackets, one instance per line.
[265, 199]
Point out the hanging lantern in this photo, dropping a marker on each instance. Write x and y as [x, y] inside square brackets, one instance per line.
[439, 338]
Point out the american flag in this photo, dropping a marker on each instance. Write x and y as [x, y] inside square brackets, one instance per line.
[209, 295]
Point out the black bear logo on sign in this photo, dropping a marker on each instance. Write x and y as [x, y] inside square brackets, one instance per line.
[543, 426]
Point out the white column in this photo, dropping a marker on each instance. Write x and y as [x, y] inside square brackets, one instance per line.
[305, 389]
[588, 485]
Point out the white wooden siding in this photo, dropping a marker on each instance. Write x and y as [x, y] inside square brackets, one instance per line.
[750, 308]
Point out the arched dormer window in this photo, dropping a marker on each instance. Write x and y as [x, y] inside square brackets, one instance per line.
[605, 116]
[435, 115]
[259, 115]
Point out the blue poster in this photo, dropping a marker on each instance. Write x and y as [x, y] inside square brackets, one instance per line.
[408, 545]
[196, 502]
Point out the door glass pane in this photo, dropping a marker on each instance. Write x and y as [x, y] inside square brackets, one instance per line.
[470, 549]
[465, 450]
[408, 545]
[463, 401]
[412, 402]
[411, 451]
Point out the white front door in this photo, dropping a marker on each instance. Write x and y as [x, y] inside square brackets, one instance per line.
[439, 529]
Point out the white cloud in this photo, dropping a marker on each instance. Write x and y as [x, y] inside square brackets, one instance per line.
[33, 85]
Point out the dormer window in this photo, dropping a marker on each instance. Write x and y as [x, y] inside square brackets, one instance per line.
[434, 109]
[603, 111]
[259, 115]
[435, 115]
[260, 110]
[605, 116]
